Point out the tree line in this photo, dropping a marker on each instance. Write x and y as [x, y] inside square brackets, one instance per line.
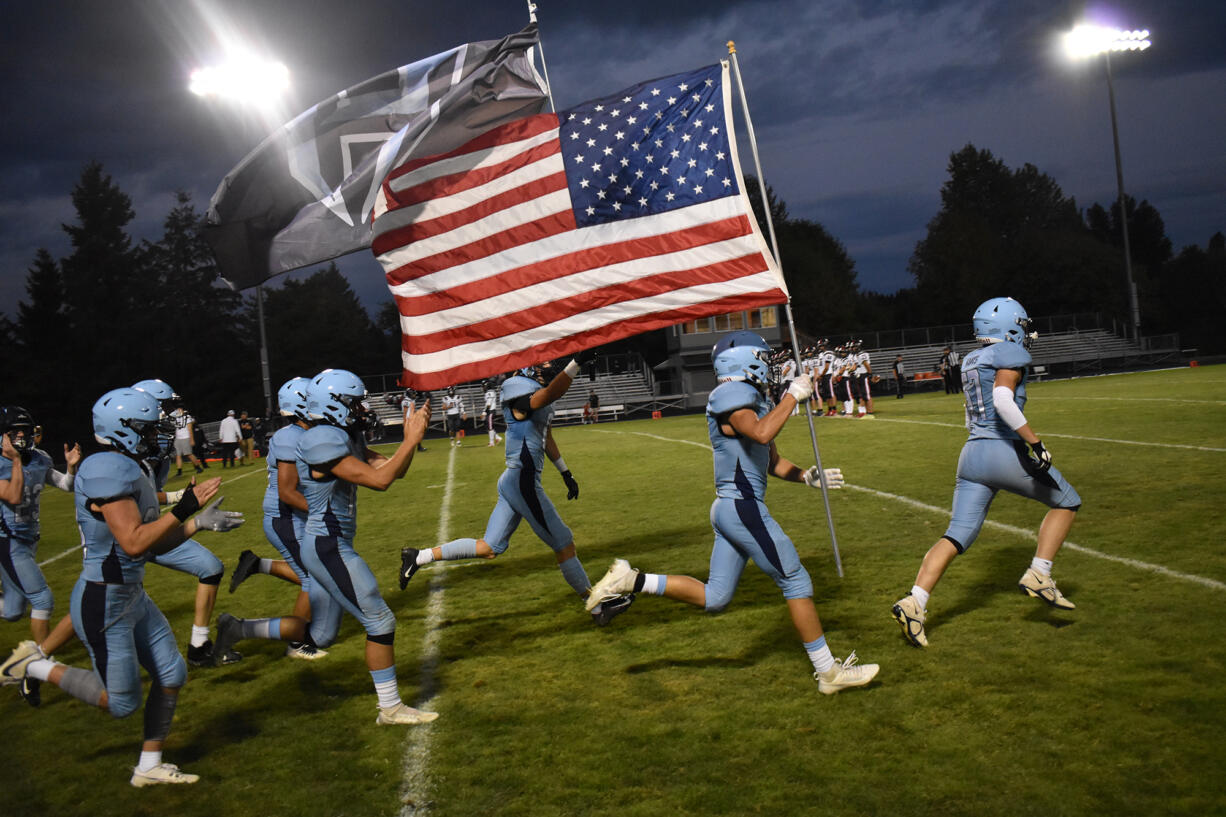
[113, 312]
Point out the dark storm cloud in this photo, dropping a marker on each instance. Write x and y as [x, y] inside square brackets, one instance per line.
[857, 103]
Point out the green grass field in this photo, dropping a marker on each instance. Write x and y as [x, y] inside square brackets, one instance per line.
[1117, 707]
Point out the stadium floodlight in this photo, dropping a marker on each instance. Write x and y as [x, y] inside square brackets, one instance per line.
[243, 79]
[1086, 41]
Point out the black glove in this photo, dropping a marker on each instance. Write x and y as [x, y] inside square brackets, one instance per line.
[572, 487]
[1040, 456]
[187, 505]
[585, 356]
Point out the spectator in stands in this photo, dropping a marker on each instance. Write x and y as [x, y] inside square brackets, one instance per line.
[900, 377]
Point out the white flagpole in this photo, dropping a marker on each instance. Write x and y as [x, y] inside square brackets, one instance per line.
[770, 224]
[544, 68]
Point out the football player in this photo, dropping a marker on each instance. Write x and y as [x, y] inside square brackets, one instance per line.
[488, 411]
[742, 426]
[285, 512]
[454, 414]
[120, 626]
[190, 557]
[1001, 452]
[527, 407]
[24, 470]
[334, 462]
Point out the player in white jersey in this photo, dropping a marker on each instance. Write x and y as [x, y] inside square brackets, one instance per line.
[1001, 452]
[454, 414]
[824, 386]
[489, 410]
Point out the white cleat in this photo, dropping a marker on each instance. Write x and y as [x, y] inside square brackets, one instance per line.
[304, 651]
[1036, 585]
[844, 674]
[402, 713]
[160, 774]
[14, 667]
[618, 581]
[911, 616]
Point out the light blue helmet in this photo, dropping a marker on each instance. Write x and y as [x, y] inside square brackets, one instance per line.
[335, 396]
[292, 398]
[1002, 319]
[160, 389]
[742, 356]
[128, 419]
[517, 386]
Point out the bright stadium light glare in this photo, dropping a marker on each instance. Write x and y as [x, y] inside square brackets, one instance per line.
[1088, 41]
[243, 79]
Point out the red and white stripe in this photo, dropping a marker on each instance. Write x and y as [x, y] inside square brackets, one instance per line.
[490, 272]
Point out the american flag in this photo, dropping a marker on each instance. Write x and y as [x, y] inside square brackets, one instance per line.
[556, 233]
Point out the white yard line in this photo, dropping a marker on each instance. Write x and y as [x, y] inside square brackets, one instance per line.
[1026, 534]
[416, 786]
[1047, 397]
[1065, 436]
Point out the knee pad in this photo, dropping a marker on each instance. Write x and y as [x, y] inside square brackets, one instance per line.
[382, 638]
[214, 579]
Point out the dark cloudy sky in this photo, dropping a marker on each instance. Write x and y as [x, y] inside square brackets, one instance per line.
[857, 105]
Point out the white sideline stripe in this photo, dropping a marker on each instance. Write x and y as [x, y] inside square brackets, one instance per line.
[416, 785]
[77, 548]
[1029, 534]
[1047, 397]
[1065, 436]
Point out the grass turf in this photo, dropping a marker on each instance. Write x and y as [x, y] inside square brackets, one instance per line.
[1015, 708]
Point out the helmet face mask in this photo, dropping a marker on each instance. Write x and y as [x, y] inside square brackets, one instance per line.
[1002, 320]
[19, 425]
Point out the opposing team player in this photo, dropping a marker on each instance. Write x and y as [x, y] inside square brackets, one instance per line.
[24, 470]
[1002, 452]
[335, 461]
[527, 407]
[316, 615]
[742, 426]
[488, 411]
[121, 627]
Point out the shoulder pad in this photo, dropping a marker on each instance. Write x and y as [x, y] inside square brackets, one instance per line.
[283, 447]
[108, 475]
[1009, 356]
[323, 444]
[730, 396]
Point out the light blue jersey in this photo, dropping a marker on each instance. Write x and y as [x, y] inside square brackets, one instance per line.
[740, 464]
[106, 476]
[978, 378]
[282, 447]
[525, 439]
[332, 503]
[20, 521]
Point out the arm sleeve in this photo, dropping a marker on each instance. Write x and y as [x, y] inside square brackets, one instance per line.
[1006, 409]
[60, 480]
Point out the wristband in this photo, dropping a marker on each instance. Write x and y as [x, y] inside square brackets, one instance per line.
[560, 464]
[572, 368]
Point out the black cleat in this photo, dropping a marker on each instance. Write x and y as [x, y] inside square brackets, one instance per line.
[29, 690]
[248, 564]
[201, 656]
[612, 608]
[408, 565]
[227, 635]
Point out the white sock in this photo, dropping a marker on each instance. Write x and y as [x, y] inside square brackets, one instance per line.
[820, 655]
[40, 668]
[847, 407]
[199, 636]
[148, 760]
[266, 566]
[1041, 566]
[921, 596]
[425, 556]
[653, 583]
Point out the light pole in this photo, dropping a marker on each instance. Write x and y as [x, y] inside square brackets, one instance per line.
[1088, 41]
[246, 79]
